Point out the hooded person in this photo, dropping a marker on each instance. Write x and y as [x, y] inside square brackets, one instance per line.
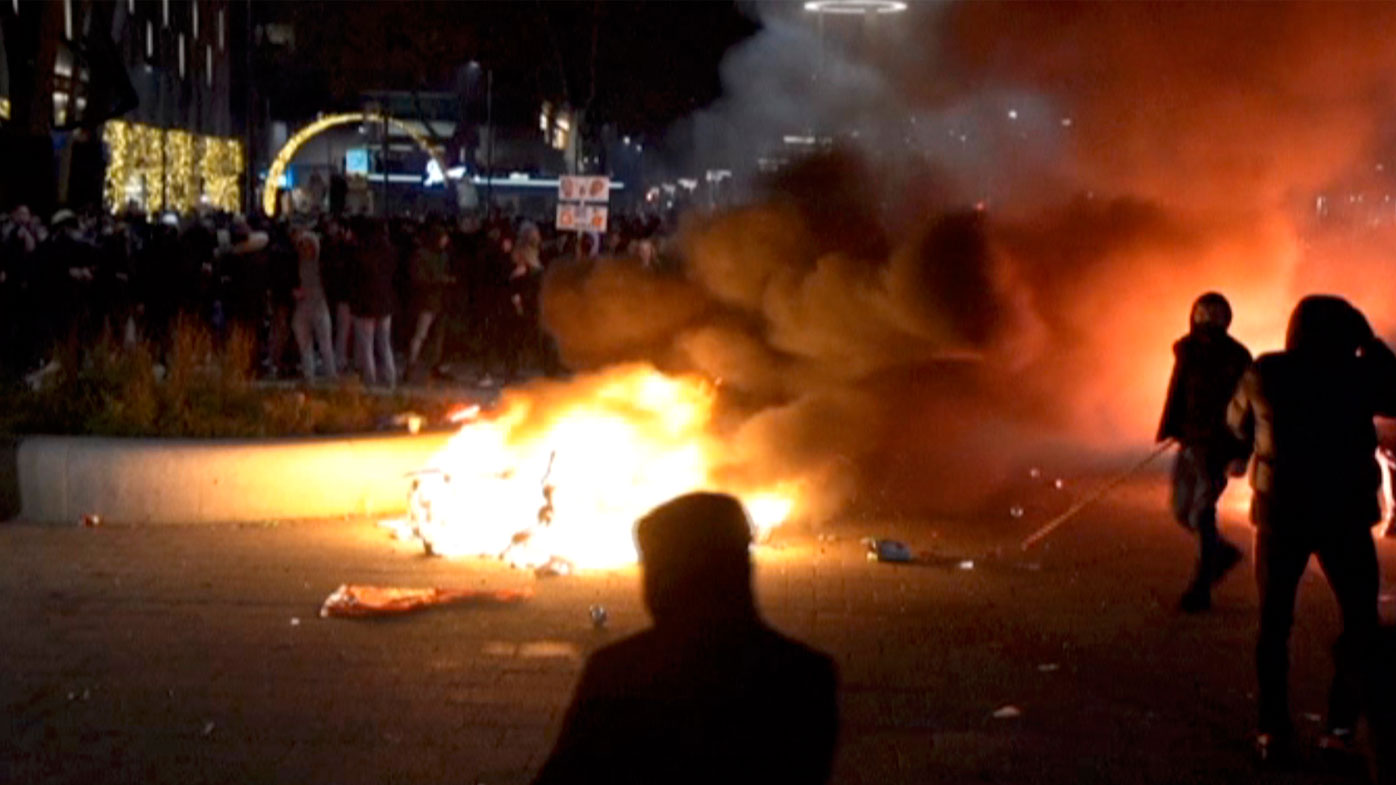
[709, 691]
[1208, 363]
[1308, 412]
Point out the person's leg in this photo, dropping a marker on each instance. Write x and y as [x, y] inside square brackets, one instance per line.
[363, 347]
[1197, 485]
[320, 324]
[419, 336]
[276, 340]
[433, 350]
[343, 322]
[300, 326]
[1349, 561]
[383, 338]
[1279, 565]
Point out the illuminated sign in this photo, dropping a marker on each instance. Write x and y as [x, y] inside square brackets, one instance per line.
[356, 160]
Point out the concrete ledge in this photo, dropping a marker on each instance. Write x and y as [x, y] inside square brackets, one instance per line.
[59, 479]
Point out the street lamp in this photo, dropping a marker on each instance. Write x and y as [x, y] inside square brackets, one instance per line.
[855, 6]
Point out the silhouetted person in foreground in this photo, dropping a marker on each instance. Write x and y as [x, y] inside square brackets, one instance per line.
[1207, 365]
[710, 693]
[1308, 411]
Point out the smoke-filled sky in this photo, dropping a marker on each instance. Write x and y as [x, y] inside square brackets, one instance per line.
[1124, 157]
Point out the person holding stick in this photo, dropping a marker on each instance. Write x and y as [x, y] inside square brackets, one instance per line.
[1308, 412]
[1208, 364]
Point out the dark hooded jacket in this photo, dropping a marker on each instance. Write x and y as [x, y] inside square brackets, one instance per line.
[1308, 412]
[1207, 365]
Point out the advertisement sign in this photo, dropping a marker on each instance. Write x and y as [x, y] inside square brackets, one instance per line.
[584, 188]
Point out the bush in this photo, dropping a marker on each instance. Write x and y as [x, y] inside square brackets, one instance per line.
[118, 390]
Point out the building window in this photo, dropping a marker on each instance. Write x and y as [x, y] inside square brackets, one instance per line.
[181, 55]
[60, 108]
[68, 19]
[208, 64]
[194, 9]
[221, 45]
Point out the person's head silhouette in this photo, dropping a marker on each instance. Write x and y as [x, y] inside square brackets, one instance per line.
[696, 565]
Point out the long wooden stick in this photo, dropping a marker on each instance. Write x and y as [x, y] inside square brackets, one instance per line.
[1095, 496]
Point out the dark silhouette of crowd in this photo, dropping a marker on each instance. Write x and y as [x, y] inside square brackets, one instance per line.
[413, 299]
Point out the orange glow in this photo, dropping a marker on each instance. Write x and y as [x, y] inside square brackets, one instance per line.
[564, 469]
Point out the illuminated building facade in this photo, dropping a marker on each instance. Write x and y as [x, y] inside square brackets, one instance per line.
[122, 102]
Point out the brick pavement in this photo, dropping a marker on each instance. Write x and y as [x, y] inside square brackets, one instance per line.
[193, 654]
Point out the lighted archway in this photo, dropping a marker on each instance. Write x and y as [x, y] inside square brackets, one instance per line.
[288, 150]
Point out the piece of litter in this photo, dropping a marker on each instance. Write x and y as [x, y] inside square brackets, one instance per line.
[91, 520]
[887, 550]
[295, 622]
[1059, 483]
[1048, 667]
[1034, 472]
[555, 566]
[1015, 511]
[208, 727]
[967, 564]
[1007, 712]
[351, 600]
[598, 616]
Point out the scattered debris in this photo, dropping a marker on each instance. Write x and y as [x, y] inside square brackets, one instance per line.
[295, 621]
[412, 421]
[351, 600]
[1016, 511]
[1048, 667]
[1059, 483]
[555, 566]
[91, 520]
[599, 617]
[1007, 712]
[887, 550]
[208, 728]
[967, 564]
[1034, 472]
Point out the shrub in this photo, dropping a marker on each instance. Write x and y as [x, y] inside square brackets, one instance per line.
[118, 390]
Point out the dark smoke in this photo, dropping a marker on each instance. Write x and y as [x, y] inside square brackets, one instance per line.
[1025, 199]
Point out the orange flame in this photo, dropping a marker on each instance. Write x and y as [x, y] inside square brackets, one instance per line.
[564, 469]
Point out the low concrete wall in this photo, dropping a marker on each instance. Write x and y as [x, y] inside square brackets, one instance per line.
[61, 478]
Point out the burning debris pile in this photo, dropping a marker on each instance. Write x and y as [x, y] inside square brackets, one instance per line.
[556, 476]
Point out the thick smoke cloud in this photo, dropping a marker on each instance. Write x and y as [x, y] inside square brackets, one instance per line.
[1025, 199]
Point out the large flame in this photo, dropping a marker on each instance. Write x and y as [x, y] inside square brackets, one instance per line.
[562, 470]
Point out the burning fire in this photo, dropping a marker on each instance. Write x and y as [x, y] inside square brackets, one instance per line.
[560, 471]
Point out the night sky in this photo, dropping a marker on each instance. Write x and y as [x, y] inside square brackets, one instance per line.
[655, 62]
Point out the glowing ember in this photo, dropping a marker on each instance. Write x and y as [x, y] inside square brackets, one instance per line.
[560, 471]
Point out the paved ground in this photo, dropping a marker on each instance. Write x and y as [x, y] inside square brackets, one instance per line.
[193, 654]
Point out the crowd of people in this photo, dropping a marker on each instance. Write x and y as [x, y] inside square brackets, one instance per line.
[388, 300]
